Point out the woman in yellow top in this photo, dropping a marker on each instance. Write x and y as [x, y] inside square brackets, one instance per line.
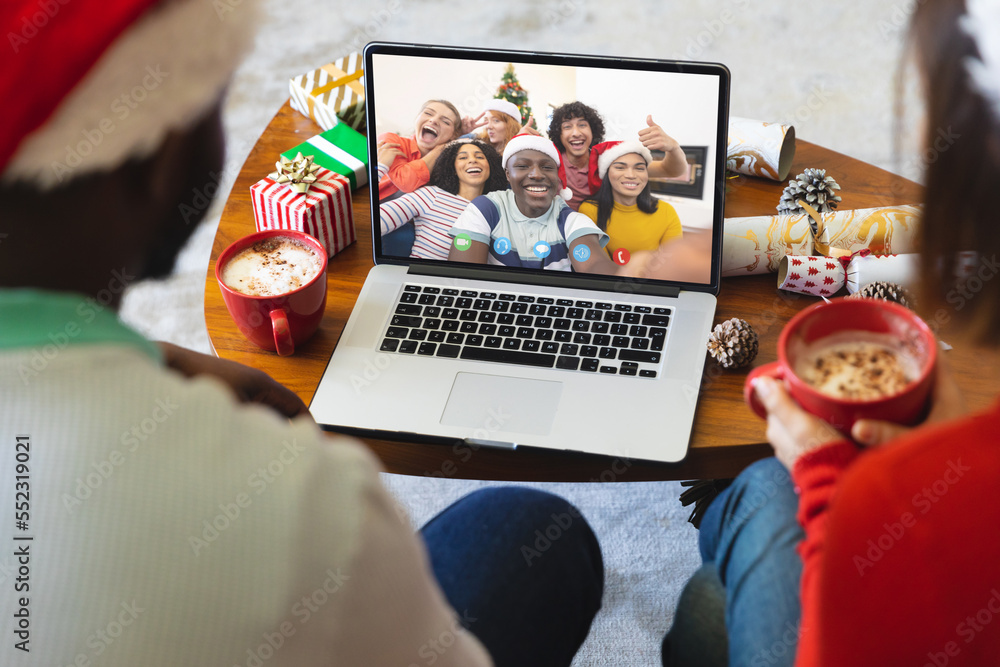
[623, 206]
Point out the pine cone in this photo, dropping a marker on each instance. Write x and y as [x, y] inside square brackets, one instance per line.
[812, 186]
[733, 343]
[886, 291]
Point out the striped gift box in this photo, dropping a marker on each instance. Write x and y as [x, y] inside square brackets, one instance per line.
[324, 212]
[339, 149]
[332, 91]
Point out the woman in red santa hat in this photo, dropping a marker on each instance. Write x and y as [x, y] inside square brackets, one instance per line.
[623, 206]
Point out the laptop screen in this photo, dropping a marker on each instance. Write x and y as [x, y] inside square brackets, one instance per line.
[538, 163]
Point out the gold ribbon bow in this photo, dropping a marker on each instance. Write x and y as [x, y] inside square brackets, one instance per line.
[299, 173]
[819, 232]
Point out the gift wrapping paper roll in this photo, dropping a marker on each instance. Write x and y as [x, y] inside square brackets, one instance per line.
[887, 230]
[756, 244]
[757, 148]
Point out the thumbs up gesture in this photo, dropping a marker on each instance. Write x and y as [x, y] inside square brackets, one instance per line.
[655, 139]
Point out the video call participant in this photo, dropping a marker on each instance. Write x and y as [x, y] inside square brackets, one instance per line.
[405, 163]
[409, 160]
[530, 225]
[466, 169]
[623, 206]
[187, 501]
[503, 123]
[576, 129]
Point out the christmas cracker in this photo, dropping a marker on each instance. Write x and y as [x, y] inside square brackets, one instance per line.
[756, 244]
[825, 276]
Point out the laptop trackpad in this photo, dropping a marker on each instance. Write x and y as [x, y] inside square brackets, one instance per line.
[492, 403]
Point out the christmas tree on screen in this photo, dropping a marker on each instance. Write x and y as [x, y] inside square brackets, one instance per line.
[510, 89]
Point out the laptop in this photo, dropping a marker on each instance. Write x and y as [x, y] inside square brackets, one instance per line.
[495, 355]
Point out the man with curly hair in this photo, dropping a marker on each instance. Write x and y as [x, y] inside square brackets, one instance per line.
[577, 128]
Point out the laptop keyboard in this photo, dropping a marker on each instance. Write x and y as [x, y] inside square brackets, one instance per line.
[611, 337]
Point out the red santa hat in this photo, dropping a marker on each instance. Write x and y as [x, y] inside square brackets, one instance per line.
[90, 87]
[609, 151]
[503, 106]
[533, 142]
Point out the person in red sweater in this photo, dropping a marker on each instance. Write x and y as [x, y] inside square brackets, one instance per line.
[898, 563]
[411, 159]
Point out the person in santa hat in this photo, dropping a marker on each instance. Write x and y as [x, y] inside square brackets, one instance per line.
[503, 123]
[179, 509]
[577, 128]
[623, 206]
[530, 225]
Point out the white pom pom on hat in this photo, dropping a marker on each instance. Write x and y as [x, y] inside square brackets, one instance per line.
[503, 106]
[93, 90]
[609, 151]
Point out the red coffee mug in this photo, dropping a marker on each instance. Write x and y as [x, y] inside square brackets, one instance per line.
[276, 323]
[842, 315]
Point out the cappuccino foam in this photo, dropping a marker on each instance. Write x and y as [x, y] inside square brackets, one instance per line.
[271, 267]
[856, 370]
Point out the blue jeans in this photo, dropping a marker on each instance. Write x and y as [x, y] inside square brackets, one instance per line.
[526, 566]
[399, 242]
[742, 606]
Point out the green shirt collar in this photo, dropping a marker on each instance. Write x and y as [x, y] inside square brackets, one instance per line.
[38, 318]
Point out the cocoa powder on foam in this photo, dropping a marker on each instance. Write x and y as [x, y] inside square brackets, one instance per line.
[856, 370]
[271, 267]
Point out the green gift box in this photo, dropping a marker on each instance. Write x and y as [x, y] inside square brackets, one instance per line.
[340, 149]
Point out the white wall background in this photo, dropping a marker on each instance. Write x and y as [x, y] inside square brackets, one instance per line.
[403, 84]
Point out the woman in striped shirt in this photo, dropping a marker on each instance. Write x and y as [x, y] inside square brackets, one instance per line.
[465, 170]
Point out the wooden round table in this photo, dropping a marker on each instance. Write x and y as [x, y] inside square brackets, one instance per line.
[726, 435]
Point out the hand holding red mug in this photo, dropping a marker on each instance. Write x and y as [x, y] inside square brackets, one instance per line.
[816, 329]
[791, 430]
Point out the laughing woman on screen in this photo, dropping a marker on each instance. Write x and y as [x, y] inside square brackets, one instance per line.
[623, 206]
[405, 163]
[465, 169]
